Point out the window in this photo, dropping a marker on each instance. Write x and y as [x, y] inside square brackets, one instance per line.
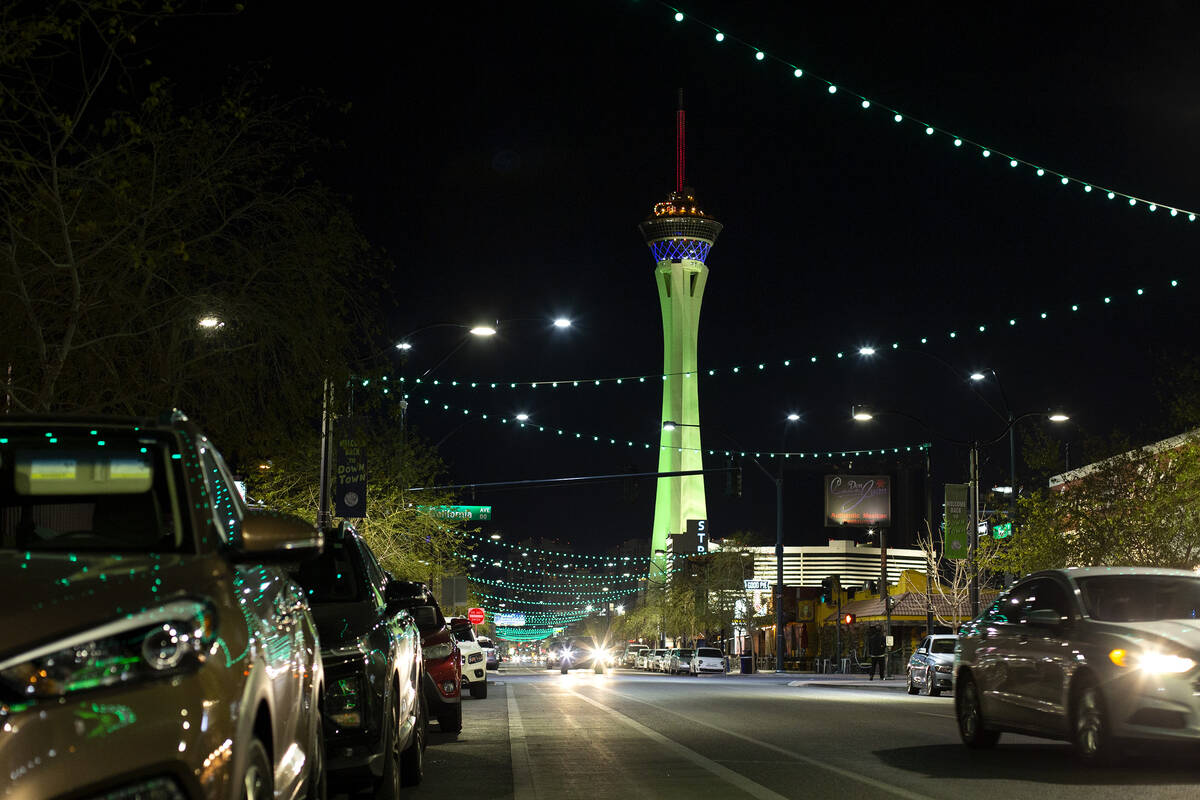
[227, 506]
[1140, 598]
[1045, 594]
[942, 646]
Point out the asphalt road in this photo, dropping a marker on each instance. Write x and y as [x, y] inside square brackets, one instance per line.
[540, 735]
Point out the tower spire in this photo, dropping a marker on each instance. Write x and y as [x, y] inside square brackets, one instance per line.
[679, 146]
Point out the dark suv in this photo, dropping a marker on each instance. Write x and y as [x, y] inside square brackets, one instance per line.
[148, 633]
[443, 661]
[375, 713]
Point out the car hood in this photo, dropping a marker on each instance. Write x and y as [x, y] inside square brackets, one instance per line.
[1181, 632]
[56, 594]
[342, 624]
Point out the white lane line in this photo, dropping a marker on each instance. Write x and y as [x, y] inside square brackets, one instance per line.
[939, 716]
[523, 788]
[724, 773]
[885, 788]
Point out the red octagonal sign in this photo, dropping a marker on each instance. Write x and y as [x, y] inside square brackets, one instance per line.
[475, 616]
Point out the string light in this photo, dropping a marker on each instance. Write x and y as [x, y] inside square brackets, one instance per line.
[930, 128]
[593, 382]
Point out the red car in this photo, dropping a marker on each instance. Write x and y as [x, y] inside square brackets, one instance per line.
[443, 661]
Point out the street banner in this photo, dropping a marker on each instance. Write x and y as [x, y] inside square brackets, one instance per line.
[863, 501]
[509, 619]
[958, 524]
[350, 473]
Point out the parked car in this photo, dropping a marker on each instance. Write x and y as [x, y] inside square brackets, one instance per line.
[375, 714]
[491, 656]
[655, 661]
[439, 651]
[1094, 656]
[644, 659]
[149, 633]
[708, 659]
[678, 660]
[632, 653]
[474, 671]
[931, 667]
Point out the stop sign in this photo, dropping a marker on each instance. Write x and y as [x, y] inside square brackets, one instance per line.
[475, 616]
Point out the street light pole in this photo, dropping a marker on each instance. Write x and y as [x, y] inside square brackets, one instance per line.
[324, 520]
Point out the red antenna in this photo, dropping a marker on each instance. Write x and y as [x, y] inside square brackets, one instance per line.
[679, 145]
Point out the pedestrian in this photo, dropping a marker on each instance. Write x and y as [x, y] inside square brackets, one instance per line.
[876, 649]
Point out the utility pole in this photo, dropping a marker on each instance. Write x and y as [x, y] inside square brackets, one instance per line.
[885, 597]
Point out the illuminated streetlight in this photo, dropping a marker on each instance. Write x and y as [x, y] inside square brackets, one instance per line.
[562, 322]
[522, 417]
[496, 536]
[210, 323]
[866, 351]
[793, 417]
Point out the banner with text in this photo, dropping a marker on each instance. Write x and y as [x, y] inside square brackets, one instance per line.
[957, 521]
[350, 473]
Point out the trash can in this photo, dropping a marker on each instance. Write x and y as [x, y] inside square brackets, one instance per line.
[747, 665]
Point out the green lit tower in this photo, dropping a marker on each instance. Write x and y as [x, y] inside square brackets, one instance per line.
[679, 235]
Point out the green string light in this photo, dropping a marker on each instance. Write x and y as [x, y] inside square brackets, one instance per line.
[930, 128]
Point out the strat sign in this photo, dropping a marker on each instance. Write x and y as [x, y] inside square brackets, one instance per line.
[863, 501]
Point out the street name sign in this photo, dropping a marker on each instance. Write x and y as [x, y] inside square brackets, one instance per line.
[458, 513]
[756, 583]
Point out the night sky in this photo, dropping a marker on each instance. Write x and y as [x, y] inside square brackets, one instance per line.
[503, 154]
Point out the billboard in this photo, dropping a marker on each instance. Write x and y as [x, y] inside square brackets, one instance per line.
[864, 501]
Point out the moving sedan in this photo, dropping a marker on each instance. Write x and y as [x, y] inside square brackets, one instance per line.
[1093, 656]
[148, 635]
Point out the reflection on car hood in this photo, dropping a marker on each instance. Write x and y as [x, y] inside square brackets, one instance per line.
[54, 594]
[1183, 632]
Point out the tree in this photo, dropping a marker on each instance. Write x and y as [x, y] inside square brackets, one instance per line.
[126, 218]
[949, 579]
[1137, 508]
[412, 545]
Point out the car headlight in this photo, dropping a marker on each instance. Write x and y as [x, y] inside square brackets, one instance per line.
[474, 658]
[1152, 661]
[438, 650]
[153, 644]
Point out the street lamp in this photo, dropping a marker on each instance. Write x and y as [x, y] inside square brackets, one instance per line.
[865, 413]
[670, 425]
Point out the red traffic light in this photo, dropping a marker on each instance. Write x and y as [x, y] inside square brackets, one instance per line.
[848, 619]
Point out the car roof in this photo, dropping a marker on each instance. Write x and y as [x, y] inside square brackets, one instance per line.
[1075, 573]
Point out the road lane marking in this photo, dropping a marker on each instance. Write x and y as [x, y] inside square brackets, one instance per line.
[523, 788]
[886, 788]
[724, 773]
[939, 716]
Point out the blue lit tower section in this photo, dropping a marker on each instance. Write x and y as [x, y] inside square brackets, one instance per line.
[679, 235]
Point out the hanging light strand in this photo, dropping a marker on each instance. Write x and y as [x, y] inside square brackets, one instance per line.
[956, 142]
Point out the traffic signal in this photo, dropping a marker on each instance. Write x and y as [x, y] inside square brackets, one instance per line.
[848, 619]
[826, 589]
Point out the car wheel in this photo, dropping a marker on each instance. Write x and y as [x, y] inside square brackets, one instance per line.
[258, 782]
[451, 721]
[318, 788]
[912, 687]
[412, 760]
[387, 785]
[1090, 732]
[599, 669]
[563, 669]
[930, 689]
[971, 728]
[479, 690]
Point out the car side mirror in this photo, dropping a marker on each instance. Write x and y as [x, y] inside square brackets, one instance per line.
[272, 537]
[1044, 617]
[922, 650]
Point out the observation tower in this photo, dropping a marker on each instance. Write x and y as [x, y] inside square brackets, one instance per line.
[679, 235]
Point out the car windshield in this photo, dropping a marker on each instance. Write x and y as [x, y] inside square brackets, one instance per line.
[941, 646]
[464, 634]
[329, 577]
[684, 652]
[1140, 598]
[709, 652]
[100, 490]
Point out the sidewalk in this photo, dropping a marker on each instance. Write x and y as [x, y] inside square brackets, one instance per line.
[845, 680]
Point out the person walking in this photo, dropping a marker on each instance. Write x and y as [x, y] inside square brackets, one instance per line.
[876, 649]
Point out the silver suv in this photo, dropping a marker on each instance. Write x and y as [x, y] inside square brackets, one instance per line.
[1093, 656]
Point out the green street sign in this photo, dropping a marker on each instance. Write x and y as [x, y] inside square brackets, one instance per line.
[458, 513]
[1002, 530]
